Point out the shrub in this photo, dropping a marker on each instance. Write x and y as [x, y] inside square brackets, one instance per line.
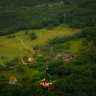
[33, 36]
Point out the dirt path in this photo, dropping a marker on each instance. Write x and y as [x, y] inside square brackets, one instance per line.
[1, 63]
[24, 44]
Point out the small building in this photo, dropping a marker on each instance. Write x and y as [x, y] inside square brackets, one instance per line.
[13, 80]
[31, 59]
[23, 62]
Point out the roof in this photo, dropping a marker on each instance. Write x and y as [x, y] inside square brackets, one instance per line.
[31, 59]
[12, 78]
[23, 62]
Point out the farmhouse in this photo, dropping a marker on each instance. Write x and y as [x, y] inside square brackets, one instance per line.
[13, 80]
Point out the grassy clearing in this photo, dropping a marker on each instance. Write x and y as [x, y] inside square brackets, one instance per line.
[43, 35]
[12, 47]
[76, 45]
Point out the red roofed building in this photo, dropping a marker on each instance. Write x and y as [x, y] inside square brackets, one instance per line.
[31, 59]
[23, 62]
[12, 80]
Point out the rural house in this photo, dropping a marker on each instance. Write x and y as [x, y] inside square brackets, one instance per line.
[13, 80]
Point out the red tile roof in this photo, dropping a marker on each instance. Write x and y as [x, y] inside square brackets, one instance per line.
[31, 59]
[12, 78]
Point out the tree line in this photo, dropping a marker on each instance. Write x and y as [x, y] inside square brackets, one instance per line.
[88, 33]
[16, 17]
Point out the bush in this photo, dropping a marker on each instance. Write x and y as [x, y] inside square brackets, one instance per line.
[10, 63]
[84, 42]
[20, 69]
[36, 47]
[25, 57]
[5, 68]
[50, 26]
[33, 36]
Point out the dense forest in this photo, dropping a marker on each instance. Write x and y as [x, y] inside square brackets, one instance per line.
[74, 77]
[28, 14]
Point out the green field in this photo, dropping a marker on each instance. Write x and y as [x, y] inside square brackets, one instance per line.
[76, 45]
[12, 47]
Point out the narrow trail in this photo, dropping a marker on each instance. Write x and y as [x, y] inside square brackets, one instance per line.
[24, 44]
[1, 63]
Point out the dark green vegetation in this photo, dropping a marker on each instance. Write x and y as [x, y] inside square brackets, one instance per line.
[33, 36]
[21, 15]
[75, 77]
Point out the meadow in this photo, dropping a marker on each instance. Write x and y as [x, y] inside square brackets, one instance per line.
[12, 47]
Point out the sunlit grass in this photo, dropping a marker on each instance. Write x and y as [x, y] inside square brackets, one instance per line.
[76, 45]
[12, 47]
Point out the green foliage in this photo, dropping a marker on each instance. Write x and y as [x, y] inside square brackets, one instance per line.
[36, 47]
[25, 57]
[11, 63]
[20, 69]
[73, 78]
[26, 32]
[84, 42]
[5, 68]
[16, 59]
[76, 77]
[33, 36]
[62, 47]
[50, 26]
[26, 15]
[76, 24]
[88, 33]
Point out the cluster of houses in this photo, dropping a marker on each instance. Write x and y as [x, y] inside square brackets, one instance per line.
[13, 80]
[30, 60]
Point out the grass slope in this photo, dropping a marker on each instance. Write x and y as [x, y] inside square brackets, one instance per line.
[76, 45]
[12, 47]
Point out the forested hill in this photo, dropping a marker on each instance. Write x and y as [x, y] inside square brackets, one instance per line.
[18, 15]
[35, 2]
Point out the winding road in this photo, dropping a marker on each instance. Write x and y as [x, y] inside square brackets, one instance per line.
[24, 44]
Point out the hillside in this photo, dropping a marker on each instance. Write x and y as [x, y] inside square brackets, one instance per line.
[6, 42]
[68, 76]
[48, 48]
[15, 17]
